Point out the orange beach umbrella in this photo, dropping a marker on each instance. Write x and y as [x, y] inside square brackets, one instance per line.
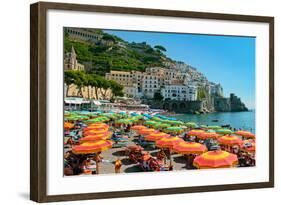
[189, 148]
[155, 136]
[95, 132]
[138, 127]
[230, 140]
[207, 135]
[215, 159]
[168, 142]
[146, 131]
[245, 134]
[98, 124]
[195, 132]
[92, 147]
[95, 137]
[68, 125]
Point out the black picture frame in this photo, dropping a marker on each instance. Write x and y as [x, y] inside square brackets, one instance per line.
[38, 96]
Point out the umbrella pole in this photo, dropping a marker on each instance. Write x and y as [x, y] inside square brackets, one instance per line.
[165, 158]
[97, 163]
[170, 156]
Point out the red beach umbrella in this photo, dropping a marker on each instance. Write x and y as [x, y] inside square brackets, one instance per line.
[95, 132]
[208, 135]
[93, 147]
[195, 132]
[95, 137]
[189, 148]
[215, 159]
[229, 140]
[245, 134]
[146, 131]
[138, 127]
[168, 142]
[155, 136]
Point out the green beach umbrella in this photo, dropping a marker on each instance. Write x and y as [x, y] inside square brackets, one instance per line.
[174, 129]
[224, 131]
[93, 121]
[173, 122]
[214, 127]
[162, 125]
[150, 122]
[203, 126]
[191, 124]
[156, 119]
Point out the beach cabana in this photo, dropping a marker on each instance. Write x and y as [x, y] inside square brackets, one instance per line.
[215, 159]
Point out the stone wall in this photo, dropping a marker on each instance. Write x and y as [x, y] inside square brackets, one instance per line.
[177, 106]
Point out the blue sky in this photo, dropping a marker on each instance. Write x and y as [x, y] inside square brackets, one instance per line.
[228, 60]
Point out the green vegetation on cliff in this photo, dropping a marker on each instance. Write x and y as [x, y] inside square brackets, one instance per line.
[113, 53]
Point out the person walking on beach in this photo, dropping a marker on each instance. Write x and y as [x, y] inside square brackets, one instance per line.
[118, 165]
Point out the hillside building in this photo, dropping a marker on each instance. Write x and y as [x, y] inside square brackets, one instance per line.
[179, 92]
[71, 63]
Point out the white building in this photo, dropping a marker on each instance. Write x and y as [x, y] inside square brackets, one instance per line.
[179, 92]
[132, 91]
[137, 77]
[150, 84]
[216, 90]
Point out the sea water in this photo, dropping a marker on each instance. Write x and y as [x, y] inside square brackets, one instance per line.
[238, 120]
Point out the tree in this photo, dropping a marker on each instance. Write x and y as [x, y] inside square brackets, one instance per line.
[160, 48]
[116, 89]
[108, 37]
[202, 94]
[80, 81]
[158, 96]
[105, 86]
